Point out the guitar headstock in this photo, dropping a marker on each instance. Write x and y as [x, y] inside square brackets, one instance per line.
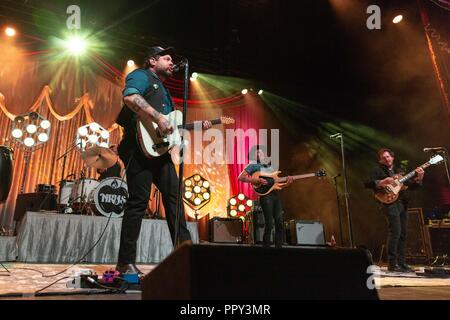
[436, 159]
[321, 173]
[226, 120]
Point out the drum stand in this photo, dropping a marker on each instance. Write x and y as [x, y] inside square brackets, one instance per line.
[156, 215]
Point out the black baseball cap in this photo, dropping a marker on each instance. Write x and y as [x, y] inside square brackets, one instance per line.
[159, 51]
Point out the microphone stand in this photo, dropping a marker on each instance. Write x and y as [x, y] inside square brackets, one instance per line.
[346, 194]
[179, 209]
[338, 207]
[445, 152]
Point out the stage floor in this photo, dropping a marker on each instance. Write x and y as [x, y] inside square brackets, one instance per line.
[21, 283]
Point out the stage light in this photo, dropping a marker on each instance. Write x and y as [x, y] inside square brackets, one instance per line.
[194, 76]
[17, 133]
[83, 131]
[93, 138]
[92, 134]
[244, 91]
[10, 32]
[130, 63]
[42, 137]
[260, 92]
[196, 192]
[104, 134]
[94, 126]
[76, 45]
[28, 142]
[397, 19]
[45, 124]
[31, 128]
[239, 206]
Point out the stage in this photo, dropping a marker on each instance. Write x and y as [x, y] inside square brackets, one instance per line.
[64, 238]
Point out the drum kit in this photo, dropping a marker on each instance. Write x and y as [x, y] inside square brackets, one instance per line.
[90, 196]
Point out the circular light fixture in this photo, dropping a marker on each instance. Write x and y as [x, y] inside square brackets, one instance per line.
[188, 194]
[205, 184]
[233, 213]
[94, 126]
[197, 178]
[17, 133]
[241, 208]
[397, 19]
[233, 201]
[241, 196]
[28, 142]
[197, 189]
[130, 63]
[197, 201]
[31, 128]
[206, 196]
[43, 137]
[10, 32]
[188, 183]
[244, 91]
[83, 131]
[249, 203]
[93, 138]
[104, 134]
[45, 124]
[260, 92]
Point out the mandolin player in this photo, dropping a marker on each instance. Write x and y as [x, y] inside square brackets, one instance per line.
[382, 176]
[270, 203]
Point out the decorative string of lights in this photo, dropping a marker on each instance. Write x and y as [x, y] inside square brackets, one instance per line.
[239, 206]
[30, 131]
[197, 192]
[91, 135]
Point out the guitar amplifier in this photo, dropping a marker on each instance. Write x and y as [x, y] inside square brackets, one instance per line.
[304, 232]
[226, 230]
[418, 246]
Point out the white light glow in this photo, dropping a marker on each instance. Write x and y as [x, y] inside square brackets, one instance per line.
[28, 142]
[104, 134]
[94, 126]
[31, 128]
[45, 124]
[17, 133]
[43, 137]
[93, 138]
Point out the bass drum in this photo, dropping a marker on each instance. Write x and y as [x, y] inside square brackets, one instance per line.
[6, 175]
[110, 197]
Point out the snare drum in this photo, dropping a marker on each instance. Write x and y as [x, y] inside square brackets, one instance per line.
[65, 193]
[82, 190]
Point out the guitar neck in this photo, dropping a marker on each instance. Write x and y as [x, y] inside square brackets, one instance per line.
[300, 176]
[191, 126]
[413, 173]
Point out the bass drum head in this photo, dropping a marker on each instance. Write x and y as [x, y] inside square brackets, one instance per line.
[110, 197]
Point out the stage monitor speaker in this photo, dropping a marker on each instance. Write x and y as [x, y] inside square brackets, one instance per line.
[440, 240]
[33, 202]
[226, 230]
[236, 272]
[418, 249]
[304, 232]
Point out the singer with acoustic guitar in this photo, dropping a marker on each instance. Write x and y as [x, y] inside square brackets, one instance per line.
[385, 178]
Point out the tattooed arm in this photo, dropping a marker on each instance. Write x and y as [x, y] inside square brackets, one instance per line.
[141, 107]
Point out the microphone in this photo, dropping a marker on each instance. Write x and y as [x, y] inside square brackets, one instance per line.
[336, 135]
[432, 149]
[180, 65]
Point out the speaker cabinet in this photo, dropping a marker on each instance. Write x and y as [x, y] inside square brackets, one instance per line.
[418, 245]
[236, 272]
[304, 232]
[440, 239]
[226, 230]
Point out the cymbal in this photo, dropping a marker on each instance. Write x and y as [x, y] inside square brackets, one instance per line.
[99, 157]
